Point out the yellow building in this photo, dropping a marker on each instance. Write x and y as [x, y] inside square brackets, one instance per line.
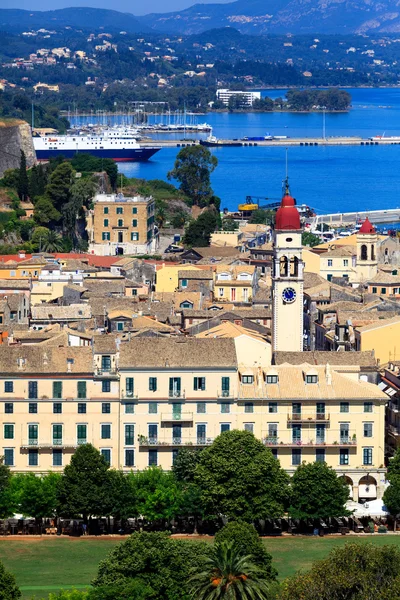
[167, 276]
[383, 337]
[339, 262]
[121, 225]
[234, 283]
[139, 402]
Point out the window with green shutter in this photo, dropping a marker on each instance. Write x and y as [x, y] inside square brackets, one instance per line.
[57, 434]
[8, 431]
[129, 387]
[153, 384]
[33, 431]
[81, 434]
[57, 389]
[225, 384]
[81, 389]
[129, 435]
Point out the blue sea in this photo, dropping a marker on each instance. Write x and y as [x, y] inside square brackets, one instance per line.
[332, 179]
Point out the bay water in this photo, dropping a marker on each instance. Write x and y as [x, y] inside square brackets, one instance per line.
[329, 179]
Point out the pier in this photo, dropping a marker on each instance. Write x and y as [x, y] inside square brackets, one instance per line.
[281, 143]
[390, 215]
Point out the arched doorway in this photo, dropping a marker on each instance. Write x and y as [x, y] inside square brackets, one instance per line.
[367, 488]
[349, 482]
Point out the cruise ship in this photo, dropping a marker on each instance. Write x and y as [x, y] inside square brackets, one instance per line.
[120, 149]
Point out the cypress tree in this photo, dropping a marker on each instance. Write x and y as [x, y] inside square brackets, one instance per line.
[23, 182]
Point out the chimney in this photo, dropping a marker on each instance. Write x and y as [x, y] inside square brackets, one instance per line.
[328, 374]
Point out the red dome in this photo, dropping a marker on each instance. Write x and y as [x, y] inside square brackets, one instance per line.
[367, 227]
[287, 215]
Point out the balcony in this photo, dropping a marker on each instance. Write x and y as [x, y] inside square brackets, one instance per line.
[225, 394]
[107, 373]
[177, 417]
[42, 445]
[308, 417]
[174, 442]
[176, 394]
[393, 429]
[393, 406]
[318, 442]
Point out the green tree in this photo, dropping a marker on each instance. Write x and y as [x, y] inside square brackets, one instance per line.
[317, 492]
[156, 560]
[229, 574]
[198, 232]
[353, 572]
[7, 496]
[391, 498]
[39, 236]
[58, 190]
[38, 495]
[230, 225]
[10, 178]
[193, 168]
[8, 586]
[185, 464]
[178, 219]
[239, 478]
[262, 217]
[23, 182]
[70, 595]
[81, 490]
[45, 212]
[394, 465]
[157, 494]
[53, 242]
[248, 543]
[310, 239]
[133, 590]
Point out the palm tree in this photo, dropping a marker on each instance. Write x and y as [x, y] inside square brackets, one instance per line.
[52, 242]
[229, 575]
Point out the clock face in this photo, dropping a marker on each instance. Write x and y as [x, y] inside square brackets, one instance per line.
[289, 295]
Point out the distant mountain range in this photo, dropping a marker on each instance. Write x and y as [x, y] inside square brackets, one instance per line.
[283, 16]
[248, 16]
[85, 18]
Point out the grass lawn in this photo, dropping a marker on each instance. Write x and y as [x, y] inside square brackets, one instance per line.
[44, 565]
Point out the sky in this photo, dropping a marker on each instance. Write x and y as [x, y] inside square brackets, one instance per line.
[136, 7]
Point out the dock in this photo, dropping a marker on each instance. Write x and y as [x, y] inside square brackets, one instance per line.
[390, 215]
[281, 143]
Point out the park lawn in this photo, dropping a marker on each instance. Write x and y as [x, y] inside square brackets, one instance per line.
[44, 565]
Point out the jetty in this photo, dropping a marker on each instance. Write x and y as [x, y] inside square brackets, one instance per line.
[279, 143]
[390, 215]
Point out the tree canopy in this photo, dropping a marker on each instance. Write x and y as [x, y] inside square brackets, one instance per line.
[198, 232]
[8, 587]
[193, 168]
[81, 490]
[156, 560]
[317, 492]
[354, 572]
[240, 479]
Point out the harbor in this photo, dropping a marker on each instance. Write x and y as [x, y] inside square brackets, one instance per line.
[278, 143]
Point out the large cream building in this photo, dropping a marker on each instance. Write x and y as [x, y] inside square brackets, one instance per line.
[139, 402]
[121, 225]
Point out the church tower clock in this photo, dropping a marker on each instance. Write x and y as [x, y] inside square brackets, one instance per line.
[287, 279]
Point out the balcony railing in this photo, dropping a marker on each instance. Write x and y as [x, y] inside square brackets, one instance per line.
[394, 429]
[55, 443]
[145, 442]
[105, 372]
[318, 417]
[176, 394]
[394, 407]
[177, 417]
[310, 442]
[224, 394]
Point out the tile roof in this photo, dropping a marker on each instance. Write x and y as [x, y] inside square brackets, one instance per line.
[54, 312]
[385, 278]
[292, 385]
[379, 323]
[320, 357]
[230, 330]
[340, 251]
[178, 353]
[15, 284]
[42, 359]
[196, 274]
